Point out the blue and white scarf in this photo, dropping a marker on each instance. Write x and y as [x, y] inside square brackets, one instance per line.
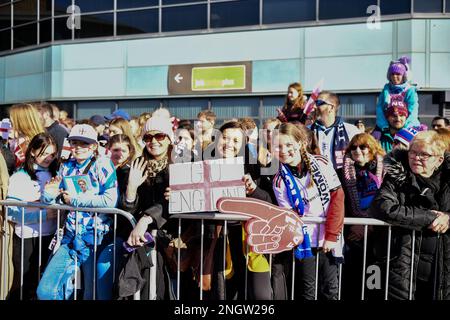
[303, 250]
[340, 140]
[295, 199]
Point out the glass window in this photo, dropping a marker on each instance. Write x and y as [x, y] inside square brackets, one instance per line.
[278, 11]
[339, 9]
[96, 5]
[125, 4]
[186, 109]
[357, 106]
[25, 35]
[134, 22]
[427, 105]
[45, 31]
[235, 13]
[4, 1]
[180, 1]
[137, 107]
[184, 18]
[228, 108]
[66, 105]
[395, 7]
[5, 17]
[61, 6]
[95, 25]
[5, 40]
[447, 6]
[427, 5]
[25, 11]
[45, 9]
[62, 32]
[270, 105]
[87, 109]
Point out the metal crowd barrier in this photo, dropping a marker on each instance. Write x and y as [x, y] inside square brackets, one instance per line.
[366, 222]
[8, 237]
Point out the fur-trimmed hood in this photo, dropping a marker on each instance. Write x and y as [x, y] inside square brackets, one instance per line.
[397, 168]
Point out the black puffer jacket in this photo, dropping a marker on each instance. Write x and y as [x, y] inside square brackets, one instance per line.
[401, 202]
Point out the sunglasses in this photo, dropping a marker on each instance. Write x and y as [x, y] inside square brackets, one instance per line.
[158, 136]
[362, 147]
[320, 102]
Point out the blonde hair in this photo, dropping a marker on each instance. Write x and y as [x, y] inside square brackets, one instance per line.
[270, 120]
[430, 138]
[142, 120]
[26, 120]
[445, 135]
[299, 136]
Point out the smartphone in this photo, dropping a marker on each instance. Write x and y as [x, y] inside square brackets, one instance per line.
[148, 239]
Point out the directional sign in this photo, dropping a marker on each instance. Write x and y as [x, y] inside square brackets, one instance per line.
[230, 77]
[218, 78]
[178, 78]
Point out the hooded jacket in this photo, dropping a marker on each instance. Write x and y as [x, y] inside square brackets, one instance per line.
[402, 202]
[411, 99]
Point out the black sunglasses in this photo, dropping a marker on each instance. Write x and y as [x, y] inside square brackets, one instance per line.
[320, 102]
[362, 147]
[158, 136]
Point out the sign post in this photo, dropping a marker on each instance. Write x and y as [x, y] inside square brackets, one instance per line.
[210, 78]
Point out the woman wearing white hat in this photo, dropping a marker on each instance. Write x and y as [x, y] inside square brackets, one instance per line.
[147, 181]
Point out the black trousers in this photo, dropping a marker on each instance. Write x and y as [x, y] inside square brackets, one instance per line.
[258, 283]
[30, 265]
[305, 277]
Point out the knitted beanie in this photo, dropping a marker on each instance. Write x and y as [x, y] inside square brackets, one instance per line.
[161, 124]
[396, 106]
[401, 66]
[405, 136]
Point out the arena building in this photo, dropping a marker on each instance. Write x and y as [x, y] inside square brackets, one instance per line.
[235, 57]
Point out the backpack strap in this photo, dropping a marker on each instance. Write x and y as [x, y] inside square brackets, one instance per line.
[86, 170]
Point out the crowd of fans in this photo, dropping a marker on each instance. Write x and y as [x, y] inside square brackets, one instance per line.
[397, 172]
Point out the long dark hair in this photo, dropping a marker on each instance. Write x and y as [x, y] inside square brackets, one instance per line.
[123, 138]
[39, 142]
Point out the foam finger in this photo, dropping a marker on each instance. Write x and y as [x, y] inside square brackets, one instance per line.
[266, 248]
[256, 226]
[262, 239]
[249, 207]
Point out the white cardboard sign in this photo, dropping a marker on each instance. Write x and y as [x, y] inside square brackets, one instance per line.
[196, 186]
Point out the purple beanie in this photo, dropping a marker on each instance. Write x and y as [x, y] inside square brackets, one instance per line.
[401, 66]
[398, 68]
